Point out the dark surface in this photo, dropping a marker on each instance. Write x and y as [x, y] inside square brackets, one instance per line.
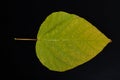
[24, 19]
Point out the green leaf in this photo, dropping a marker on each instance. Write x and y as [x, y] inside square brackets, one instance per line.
[65, 41]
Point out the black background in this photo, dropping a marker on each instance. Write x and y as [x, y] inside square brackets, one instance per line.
[24, 19]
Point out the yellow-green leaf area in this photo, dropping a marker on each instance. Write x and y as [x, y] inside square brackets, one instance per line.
[65, 41]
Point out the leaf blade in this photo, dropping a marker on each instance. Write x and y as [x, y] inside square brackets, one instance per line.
[68, 41]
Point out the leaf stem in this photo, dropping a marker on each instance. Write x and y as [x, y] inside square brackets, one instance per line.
[25, 39]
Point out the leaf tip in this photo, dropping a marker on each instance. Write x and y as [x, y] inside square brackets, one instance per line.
[110, 41]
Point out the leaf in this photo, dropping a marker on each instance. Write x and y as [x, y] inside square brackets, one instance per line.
[65, 41]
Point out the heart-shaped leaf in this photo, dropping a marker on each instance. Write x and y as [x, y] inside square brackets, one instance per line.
[65, 41]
